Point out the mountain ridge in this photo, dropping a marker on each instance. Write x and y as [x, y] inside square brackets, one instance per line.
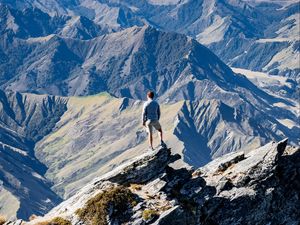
[250, 32]
[257, 177]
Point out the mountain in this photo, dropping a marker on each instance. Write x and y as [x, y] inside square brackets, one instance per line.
[62, 143]
[23, 188]
[251, 186]
[274, 85]
[68, 66]
[34, 23]
[255, 35]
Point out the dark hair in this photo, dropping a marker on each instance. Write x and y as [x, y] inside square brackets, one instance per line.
[150, 94]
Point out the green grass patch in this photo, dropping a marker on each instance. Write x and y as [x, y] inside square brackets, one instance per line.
[2, 220]
[120, 199]
[149, 214]
[55, 221]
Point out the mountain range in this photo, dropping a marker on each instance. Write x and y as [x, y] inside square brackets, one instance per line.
[73, 77]
[258, 35]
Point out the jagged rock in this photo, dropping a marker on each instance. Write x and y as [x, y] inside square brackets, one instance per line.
[17, 222]
[174, 216]
[254, 187]
[255, 194]
[142, 169]
[139, 170]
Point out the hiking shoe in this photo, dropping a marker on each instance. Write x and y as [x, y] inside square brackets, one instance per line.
[163, 144]
[151, 148]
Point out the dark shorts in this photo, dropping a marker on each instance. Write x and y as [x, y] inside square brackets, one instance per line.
[152, 124]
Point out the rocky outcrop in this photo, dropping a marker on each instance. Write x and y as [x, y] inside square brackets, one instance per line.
[253, 187]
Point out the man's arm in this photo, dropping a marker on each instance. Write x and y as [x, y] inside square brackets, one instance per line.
[158, 112]
[144, 115]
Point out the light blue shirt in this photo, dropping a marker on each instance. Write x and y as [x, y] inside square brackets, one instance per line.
[151, 111]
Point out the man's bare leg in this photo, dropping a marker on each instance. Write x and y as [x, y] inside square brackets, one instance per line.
[162, 143]
[150, 140]
[160, 135]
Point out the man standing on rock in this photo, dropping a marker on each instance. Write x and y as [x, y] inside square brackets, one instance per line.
[151, 115]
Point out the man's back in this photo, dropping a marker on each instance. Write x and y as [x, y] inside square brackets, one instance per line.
[151, 111]
[151, 115]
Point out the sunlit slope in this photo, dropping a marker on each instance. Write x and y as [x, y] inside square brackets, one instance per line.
[95, 134]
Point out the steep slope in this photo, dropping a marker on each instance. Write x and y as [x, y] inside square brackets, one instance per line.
[275, 85]
[24, 189]
[246, 34]
[221, 192]
[24, 120]
[80, 27]
[30, 22]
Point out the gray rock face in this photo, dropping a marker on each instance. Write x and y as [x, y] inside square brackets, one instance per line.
[259, 190]
[257, 187]
[141, 171]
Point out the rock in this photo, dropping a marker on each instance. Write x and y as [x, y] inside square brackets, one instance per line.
[250, 187]
[174, 216]
[17, 222]
[155, 186]
[141, 169]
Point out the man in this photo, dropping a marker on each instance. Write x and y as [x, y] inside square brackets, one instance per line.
[151, 115]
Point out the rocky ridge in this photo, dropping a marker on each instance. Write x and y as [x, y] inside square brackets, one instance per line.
[254, 187]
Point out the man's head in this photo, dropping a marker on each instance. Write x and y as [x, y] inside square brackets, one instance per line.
[150, 95]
